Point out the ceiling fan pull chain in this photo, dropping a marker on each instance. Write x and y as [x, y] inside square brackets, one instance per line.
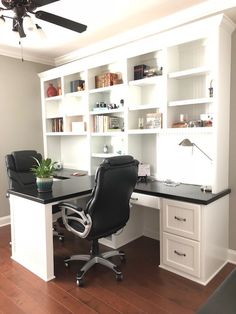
[21, 49]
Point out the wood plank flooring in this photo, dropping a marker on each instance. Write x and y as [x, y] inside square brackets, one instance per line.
[144, 289]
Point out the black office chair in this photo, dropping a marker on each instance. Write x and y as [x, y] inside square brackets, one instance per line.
[19, 164]
[106, 212]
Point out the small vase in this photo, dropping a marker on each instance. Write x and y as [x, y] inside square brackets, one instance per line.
[51, 91]
[44, 184]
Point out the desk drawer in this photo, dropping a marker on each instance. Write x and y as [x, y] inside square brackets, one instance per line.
[182, 218]
[181, 254]
[145, 200]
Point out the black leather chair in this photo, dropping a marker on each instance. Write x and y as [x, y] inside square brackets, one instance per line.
[19, 164]
[106, 212]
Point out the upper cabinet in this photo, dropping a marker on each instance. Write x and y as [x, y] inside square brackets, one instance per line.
[190, 84]
[146, 95]
[143, 98]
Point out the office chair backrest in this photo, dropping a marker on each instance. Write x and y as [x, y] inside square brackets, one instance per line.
[109, 206]
[19, 164]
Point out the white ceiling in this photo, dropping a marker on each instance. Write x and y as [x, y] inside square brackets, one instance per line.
[104, 18]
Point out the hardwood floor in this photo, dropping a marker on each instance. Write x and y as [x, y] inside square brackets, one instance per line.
[144, 289]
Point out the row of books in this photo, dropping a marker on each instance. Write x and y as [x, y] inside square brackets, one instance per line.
[57, 125]
[105, 123]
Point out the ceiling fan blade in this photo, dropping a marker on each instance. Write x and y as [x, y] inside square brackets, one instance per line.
[40, 3]
[61, 21]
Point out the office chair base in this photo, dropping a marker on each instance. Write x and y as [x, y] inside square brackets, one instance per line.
[96, 259]
[59, 235]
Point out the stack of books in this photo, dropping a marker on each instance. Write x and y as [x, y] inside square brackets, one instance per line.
[57, 125]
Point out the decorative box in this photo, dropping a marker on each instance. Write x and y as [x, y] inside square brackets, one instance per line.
[139, 71]
[77, 85]
[105, 80]
[153, 120]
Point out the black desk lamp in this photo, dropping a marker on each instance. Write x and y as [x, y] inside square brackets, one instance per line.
[188, 143]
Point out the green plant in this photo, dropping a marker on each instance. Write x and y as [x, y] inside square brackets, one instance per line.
[44, 168]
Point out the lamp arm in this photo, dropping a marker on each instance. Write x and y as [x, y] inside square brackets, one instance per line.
[202, 152]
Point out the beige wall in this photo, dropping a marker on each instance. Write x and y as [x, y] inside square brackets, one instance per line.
[232, 156]
[20, 113]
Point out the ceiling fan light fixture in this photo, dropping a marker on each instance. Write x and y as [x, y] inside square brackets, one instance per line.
[28, 23]
[22, 22]
[39, 32]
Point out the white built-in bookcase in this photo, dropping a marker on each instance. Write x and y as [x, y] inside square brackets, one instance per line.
[192, 57]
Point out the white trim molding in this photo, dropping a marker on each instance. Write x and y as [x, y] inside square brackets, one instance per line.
[181, 17]
[232, 256]
[4, 221]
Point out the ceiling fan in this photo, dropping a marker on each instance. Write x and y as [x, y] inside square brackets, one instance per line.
[22, 8]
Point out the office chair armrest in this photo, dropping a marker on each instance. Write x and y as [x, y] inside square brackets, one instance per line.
[71, 212]
[72, 206]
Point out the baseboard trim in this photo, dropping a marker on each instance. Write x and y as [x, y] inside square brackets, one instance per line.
[151, 234]
[232, 256]
[4, 221]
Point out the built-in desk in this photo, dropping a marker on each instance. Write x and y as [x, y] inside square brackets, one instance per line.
[193, 225]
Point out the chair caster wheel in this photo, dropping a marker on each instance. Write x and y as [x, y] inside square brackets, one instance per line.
[119, 277]
[79, 282]
[123, 258]
[61, 238]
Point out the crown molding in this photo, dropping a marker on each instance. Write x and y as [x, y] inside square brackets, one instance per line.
[16, 53]
[191, 14]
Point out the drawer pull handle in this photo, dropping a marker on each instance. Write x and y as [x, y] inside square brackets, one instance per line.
[134, 198]
[179, 254]
[180, 219]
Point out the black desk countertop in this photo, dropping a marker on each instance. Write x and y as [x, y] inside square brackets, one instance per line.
[75, 186]
[183, 192]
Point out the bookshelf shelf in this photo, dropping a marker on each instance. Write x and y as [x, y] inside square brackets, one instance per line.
[55, 98]
[187, 102]
[189, 73]
[147, 81]
[111, 133]
[107, 89]
[106, 111]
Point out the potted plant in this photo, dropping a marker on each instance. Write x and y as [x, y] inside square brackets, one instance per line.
[43, 171]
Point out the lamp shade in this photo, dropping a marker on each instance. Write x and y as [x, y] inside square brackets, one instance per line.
[28, 23]
[186, 142]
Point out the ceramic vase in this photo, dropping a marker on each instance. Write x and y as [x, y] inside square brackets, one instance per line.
[51, 91]
[44, 184]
